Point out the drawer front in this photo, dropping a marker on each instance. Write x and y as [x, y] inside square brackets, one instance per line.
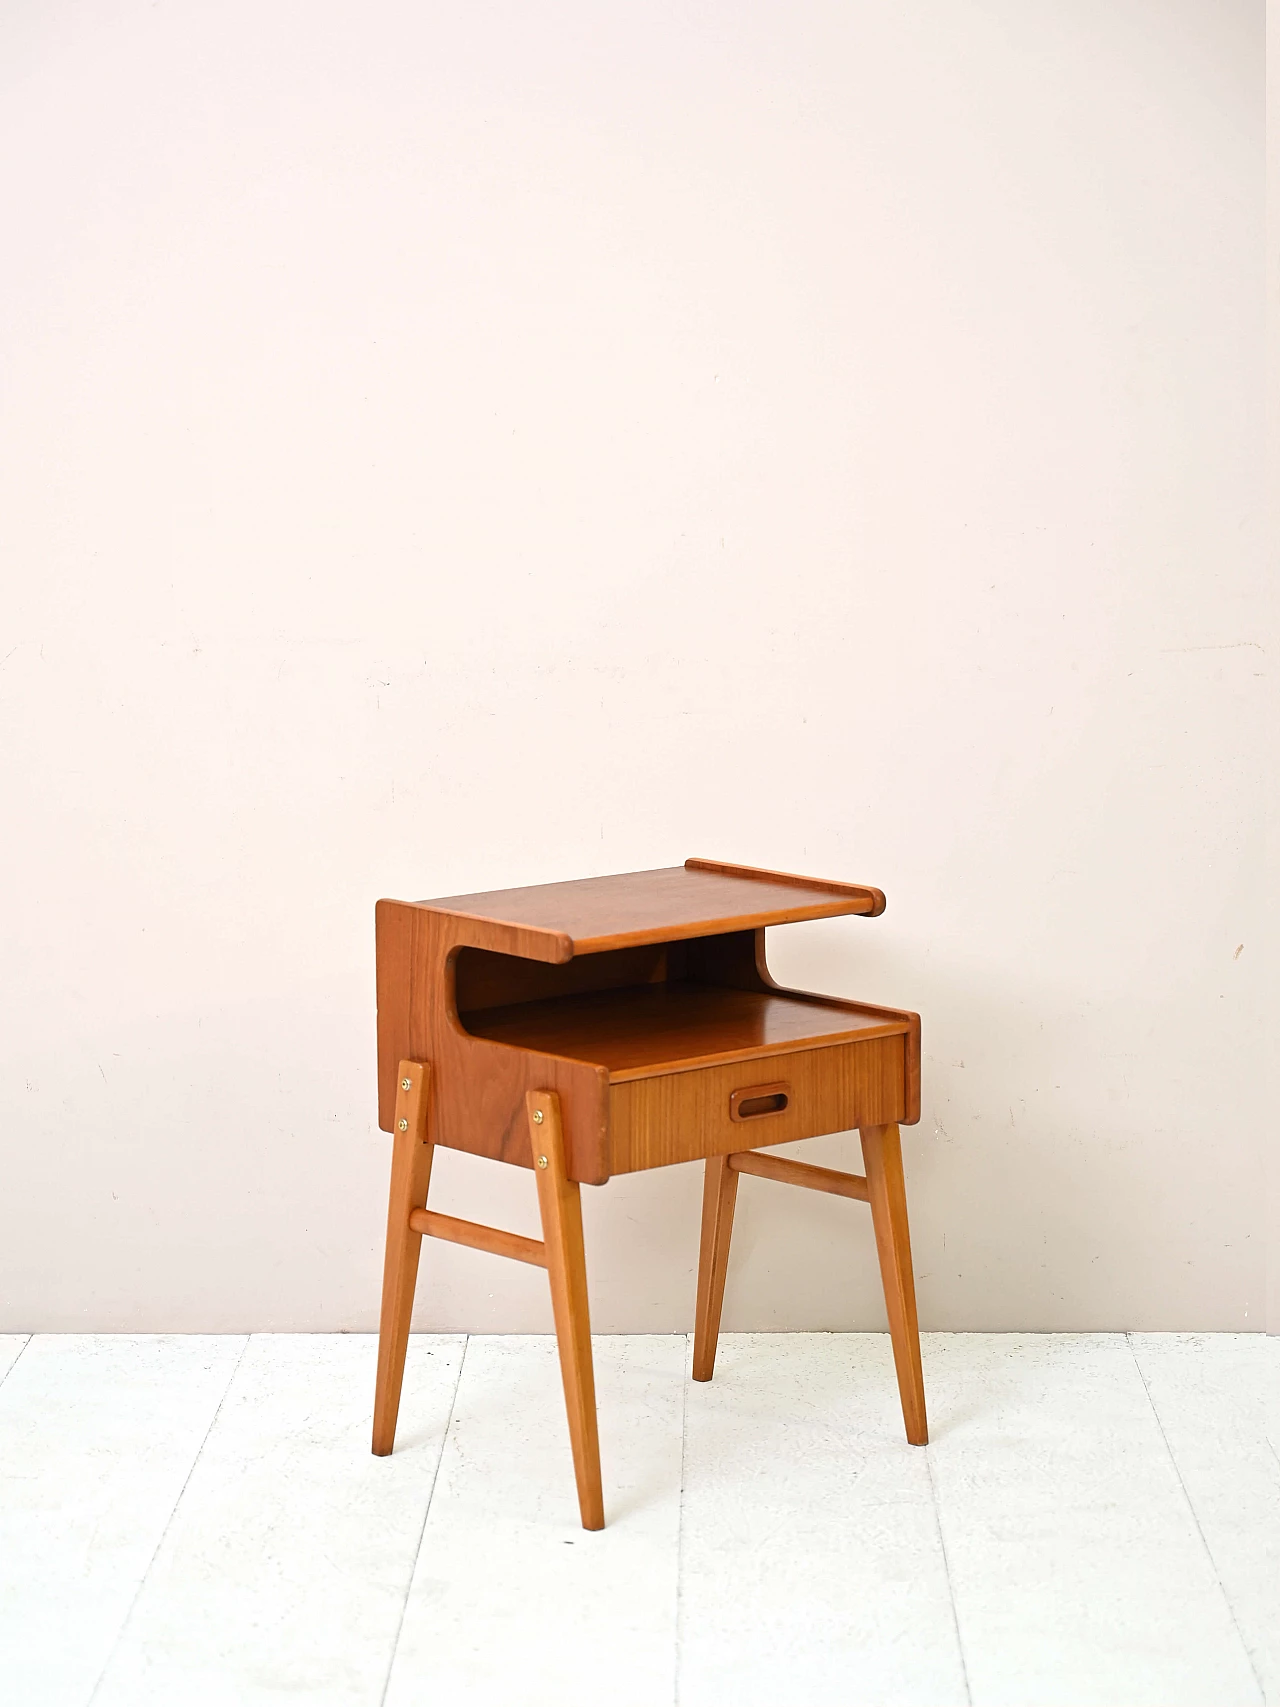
[712, 1111]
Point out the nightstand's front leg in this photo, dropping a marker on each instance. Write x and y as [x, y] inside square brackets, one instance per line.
[410, 1177]
[887, 1193]
[560, 1201]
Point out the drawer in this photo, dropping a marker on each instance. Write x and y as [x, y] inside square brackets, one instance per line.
[712, 1111]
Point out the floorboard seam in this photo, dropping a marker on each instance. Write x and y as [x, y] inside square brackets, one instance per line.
[431, 1494]
[685, 1378]
[946, 1567]
[168, 1524]
[9, 1371]
[1195, 1518]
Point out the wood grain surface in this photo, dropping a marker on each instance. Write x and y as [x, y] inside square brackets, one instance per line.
[887, 1194]
[670, 1028]
[503, 1006]
[410, 1178]
[592, 914]
[496, 1240]
[787, 1171]
[560, 1203]
[477, 1087]
[719, 1194]
[681, 1117]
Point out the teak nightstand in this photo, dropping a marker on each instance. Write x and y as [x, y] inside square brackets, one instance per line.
[617, 1023]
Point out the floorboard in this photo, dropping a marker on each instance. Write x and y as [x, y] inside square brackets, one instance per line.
[284, 1572]
[512, 1601]
[812, 1568]
[1079, 1577]
[1209, 1393]
[98, 1435]
[200, 1520]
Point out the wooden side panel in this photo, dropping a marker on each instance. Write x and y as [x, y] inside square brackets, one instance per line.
[477, 1087]
[683, 1116]
[912, 1114]
[392, 954]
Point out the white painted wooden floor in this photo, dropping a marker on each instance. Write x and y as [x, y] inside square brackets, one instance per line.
[199, 1521]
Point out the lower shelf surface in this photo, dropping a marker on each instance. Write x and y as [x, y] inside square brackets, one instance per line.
[649, 1029]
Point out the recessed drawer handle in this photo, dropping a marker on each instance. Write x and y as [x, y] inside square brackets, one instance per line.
[757, 1100]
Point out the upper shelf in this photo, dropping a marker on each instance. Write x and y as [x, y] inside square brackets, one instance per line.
[698, 898]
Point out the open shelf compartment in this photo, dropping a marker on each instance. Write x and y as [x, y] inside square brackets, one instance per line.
[646, 1029]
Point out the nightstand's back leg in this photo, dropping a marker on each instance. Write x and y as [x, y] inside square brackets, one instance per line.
[410, 1177]
[560, 1201]
[882, 1153]
[719, 1194]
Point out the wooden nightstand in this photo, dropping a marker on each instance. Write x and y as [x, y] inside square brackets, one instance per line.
[598, 1027]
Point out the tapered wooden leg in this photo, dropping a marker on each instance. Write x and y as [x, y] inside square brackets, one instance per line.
[559, 1199]
[882, 1153]
[410, 1177]
[719, 1194]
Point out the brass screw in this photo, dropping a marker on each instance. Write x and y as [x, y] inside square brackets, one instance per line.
[406, 1084]
[537, 1117]
[404, 1125]
[542, 1161]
